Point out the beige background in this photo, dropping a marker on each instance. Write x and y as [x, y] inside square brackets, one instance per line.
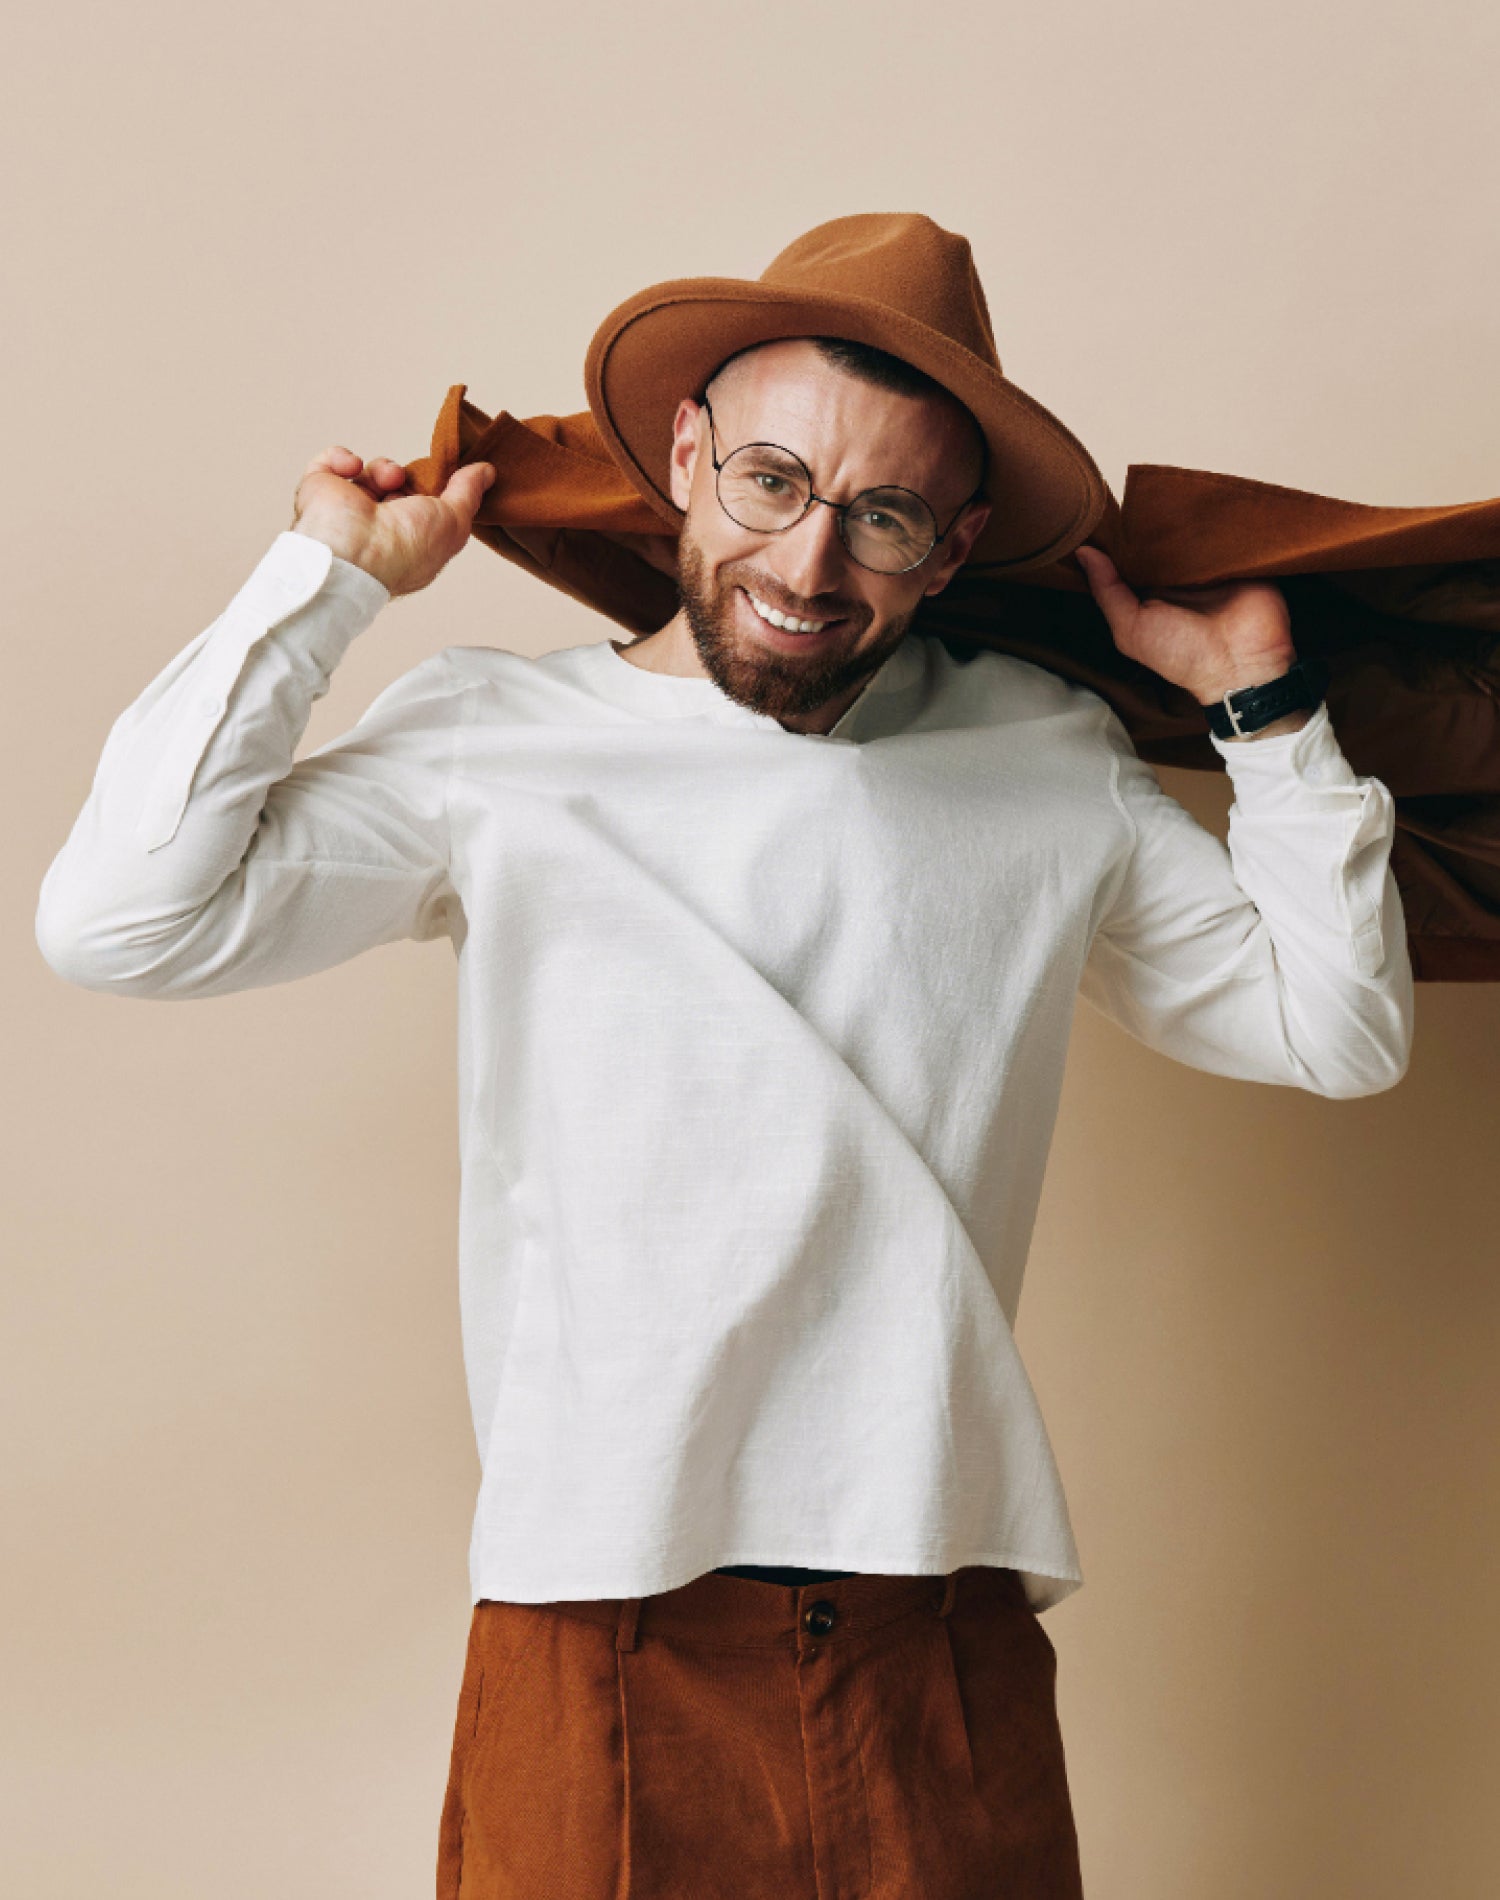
[238, 1462]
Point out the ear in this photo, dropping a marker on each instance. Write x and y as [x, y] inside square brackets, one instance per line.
[961, 537]
[685, 435]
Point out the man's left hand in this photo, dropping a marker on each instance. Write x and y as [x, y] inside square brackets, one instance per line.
[1209, 640]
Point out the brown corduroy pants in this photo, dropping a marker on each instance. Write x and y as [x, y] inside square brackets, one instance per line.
[866, 1738]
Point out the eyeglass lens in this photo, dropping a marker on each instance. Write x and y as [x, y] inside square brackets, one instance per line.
[766, 489]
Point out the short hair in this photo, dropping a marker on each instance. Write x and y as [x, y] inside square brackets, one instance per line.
[885, 371]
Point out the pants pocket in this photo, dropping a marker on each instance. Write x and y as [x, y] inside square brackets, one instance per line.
[451, 1826]
[499, 1634]
[505, 1632]
[540, 1786]
[952, 1690]
[1005, 1666]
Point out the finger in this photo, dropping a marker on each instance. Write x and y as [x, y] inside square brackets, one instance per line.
[1205, 597]
[381, 477]
[336, 461]
[386, 473]
[1116, 600]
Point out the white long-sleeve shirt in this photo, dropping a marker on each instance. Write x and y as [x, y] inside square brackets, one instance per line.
[761, 1039]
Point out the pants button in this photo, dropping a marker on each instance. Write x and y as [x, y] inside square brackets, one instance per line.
[819, 1617]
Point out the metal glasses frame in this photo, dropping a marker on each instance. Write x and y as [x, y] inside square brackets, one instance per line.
[840, 508]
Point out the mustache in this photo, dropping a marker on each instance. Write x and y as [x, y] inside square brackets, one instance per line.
[824, 608]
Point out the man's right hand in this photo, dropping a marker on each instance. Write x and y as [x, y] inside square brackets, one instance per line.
[358, 509]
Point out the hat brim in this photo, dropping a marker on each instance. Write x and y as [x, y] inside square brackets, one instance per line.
[664, 343]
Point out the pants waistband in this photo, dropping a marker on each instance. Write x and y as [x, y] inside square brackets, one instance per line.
[747, 1613]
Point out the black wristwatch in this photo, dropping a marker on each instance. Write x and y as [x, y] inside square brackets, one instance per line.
[1303, 684]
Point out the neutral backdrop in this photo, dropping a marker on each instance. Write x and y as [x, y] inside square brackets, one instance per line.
[238, 1463]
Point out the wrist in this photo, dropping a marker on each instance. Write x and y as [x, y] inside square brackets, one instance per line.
[352, 547]
[1259, 672]
[1263, 705]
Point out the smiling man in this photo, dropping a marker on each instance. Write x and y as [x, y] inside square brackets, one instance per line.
[797, 636]
[769, 931]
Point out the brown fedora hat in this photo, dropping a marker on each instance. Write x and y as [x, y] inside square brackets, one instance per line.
[895, 280]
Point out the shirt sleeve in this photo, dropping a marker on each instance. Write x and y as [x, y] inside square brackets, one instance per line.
[1281, 957]
[204, 859]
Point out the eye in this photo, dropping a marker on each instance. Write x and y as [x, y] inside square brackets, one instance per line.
[763, 477]
[879, 520]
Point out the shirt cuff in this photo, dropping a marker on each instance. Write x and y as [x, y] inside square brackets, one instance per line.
[1311, 752]
[1304, 828]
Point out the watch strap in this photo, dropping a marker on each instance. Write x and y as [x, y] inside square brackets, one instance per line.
[1251, 707]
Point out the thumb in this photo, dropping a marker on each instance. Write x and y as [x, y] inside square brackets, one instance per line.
[467, 485]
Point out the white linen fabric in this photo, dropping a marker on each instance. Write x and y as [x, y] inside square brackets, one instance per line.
[762, 1035]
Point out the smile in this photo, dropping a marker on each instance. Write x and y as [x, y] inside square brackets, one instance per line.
[784, 621]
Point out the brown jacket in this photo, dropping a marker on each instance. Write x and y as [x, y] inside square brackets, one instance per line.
[1403, 603]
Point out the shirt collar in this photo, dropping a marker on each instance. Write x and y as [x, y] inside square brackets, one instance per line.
[675, 696]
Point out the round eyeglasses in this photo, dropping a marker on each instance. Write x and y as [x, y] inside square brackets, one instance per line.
[767, 489]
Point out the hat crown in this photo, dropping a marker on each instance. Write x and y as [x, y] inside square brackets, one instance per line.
[896, 281]
[902, 260]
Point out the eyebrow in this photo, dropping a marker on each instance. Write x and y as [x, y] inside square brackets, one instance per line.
[759, 441]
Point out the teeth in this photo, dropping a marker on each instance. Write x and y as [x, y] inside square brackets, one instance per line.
[784, 620]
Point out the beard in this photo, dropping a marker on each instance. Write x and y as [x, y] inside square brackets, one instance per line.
[784, 685]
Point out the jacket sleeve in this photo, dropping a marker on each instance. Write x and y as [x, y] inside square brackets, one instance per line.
[204, 860]
[1279, 958]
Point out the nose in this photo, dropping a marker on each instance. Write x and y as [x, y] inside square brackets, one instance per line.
[811, 558]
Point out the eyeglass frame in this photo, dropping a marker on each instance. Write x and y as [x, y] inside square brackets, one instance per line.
[840, 508]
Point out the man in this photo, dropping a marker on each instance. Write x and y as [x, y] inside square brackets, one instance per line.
[770, 928]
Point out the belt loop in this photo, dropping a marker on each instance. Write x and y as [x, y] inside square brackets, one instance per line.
[950, 1589]
[630, 1610]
